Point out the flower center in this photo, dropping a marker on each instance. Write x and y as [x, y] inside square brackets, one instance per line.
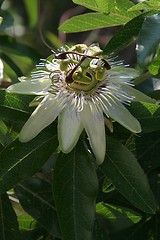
[84, 67]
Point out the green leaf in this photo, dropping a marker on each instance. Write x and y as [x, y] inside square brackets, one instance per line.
[105, 6]
[118, 16]
[75, 188]
[91, 4]
[148, 40]
[14, 106]
[12, 65]
[143, 230]
[95, 5]
[36, 198]
[154, 178]
[9, 73]
[126, 34]
[147, 151]
[21, 160]
[90, 21]
[32, 11]
[146, 5]
[128, 177]
[116, 218]
[9, 46]
[5, 137]
[26, 222]
[148, 114]
[154, 66]
[8, 220]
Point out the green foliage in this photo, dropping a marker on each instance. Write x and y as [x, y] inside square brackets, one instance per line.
[75, 193]
[47, 195]
[8, 220]
[126, 34]
[148, 115]
[112, 216]
[132, 184]
[32, 15]
[95, 5]
[146, 5]
[36, 197]
[147, 45]
[113, 14]
[21, 156]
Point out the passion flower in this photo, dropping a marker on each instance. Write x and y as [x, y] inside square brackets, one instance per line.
[82, 88]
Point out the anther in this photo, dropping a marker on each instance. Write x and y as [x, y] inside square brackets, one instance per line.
[61, 55]
[106, 64]
[69, 79]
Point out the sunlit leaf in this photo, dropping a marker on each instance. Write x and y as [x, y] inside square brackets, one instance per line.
[26, 222]
[105, 5]
[91, 4]
[148, 40]
[116, 218]
[117, 16]
[8, 220]
[146, 5]
[91, 21]
[75, 189]
[96, 5]
[128, 177]
[154, 66]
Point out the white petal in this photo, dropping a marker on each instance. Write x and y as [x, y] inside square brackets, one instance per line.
[69, 130]
[96, 133]
[123, 72]
[139, 96]
[44, 114]
[34, 87]
[117, 111]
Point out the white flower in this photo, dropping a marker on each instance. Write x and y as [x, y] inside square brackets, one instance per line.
[81, 87]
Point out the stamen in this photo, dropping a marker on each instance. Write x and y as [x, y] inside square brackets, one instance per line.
[106, 64]
[63, 55]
